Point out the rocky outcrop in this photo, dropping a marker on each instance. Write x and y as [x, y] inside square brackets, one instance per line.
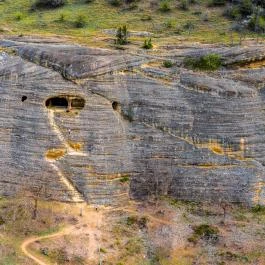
[102, 126]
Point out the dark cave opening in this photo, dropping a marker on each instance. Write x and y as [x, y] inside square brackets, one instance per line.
[115, 105]
[24, 98]
[57, 102]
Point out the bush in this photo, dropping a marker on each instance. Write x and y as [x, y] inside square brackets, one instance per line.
[210, 62]
[184, 5]
[217, 3]
[148, 44]
[48, 3]
[257, 24]
[232, 12]
[61, 17]
[124, 179]
[258, 209]
[246, 7]
[167, 64]
[189, 26]
[18, 16]
[164, 6]
[115, 2]
[122, 35]
[205, 232]
[80, 21]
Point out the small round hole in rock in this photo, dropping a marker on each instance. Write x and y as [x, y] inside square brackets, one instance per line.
[24, 98]
[115, 105]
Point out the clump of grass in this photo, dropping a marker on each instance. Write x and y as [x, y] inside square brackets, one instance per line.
[18, 16]
[62, 18]
[205, 232]
[209, 62]
[148, 44]
[80, 21]
[167, 64]
[184, 5]
[164, 6]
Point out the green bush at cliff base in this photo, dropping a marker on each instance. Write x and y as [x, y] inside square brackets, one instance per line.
[209, 62]
[205, 232]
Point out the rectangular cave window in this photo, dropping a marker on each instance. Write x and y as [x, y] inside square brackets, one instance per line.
[77, 103]
[57, 102]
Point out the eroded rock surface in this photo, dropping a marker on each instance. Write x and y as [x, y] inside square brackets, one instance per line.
[81, 122]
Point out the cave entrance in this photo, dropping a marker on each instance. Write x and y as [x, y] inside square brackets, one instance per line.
[77, 103]
[57, 102]
[65, 103]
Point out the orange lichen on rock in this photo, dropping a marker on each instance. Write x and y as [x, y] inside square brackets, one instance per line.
[55, 153]
[77, 146]
[217, 148]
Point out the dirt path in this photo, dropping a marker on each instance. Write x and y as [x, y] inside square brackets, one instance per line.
[89, 223]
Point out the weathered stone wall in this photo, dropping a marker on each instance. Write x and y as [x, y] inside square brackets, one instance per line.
[194, 136]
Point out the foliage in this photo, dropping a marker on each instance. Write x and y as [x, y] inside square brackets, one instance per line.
[205, 232]
[167, 64]
[48, 3]
[115, 2]
[209, 62]
[80, 21]
[164, 6]
[124, 179]
[148, 44]
[217, 2]
[184, 5]
[122, 35]
[258, 209]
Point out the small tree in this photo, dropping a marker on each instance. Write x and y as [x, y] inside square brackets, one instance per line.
[122, 35]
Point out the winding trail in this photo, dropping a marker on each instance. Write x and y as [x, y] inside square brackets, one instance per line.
[31, 240]
[92, 226]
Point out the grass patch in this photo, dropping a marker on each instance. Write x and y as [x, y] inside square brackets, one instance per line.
[209, 62]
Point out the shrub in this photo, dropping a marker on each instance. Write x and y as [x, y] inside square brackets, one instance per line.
[115, 2]
[205, 232]
[257, 24]
[232, 12]
[189, 26]
[124, 179]
[122, 35]
[131, 220]
[18, 16]
[184, 5]
[48, 3]
[80, 21]
[210, 62]
[246, 7]
[61, 17]
[167, 64]
[148, 44]
[258, 209]
[164, 6]
[217, 3]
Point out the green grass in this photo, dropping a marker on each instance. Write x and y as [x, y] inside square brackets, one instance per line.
[17, 19]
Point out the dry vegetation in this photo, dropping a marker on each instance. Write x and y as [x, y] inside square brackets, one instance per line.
[165, 233]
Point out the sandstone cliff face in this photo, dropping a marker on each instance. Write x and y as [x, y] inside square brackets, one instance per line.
[79, 122]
